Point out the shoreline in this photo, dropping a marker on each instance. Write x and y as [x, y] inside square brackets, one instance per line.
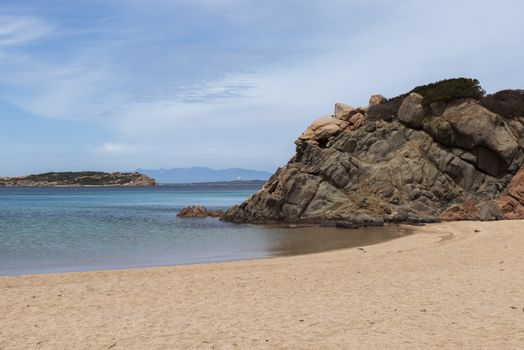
[443, 286]
[390, 232]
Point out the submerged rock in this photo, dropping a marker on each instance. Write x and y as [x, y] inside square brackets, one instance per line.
[448, 160]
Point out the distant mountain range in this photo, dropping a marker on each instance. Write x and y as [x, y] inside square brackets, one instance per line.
[203, 174]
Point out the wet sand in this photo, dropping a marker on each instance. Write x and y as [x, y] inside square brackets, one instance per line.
[446, 286]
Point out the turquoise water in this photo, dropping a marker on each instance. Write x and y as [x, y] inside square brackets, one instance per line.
[77, 229]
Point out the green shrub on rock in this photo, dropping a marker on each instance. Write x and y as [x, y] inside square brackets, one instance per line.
[440, 91]
[450, 89]
[506, 103]
[386, 110]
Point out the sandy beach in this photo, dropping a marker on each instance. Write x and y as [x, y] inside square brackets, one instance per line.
[446, 287]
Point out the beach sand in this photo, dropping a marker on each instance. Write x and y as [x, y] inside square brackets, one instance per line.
[444, 287]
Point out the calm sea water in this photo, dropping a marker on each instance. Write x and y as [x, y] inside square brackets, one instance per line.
[77, 229]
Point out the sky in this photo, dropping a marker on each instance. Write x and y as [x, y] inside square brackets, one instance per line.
[117, 85]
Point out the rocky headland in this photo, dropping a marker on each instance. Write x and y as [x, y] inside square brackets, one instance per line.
[443, 151]
[84, 178]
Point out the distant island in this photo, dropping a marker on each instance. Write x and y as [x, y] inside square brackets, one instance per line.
[204, 174]
[82, 178]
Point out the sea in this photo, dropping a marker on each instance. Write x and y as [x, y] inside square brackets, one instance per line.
[62, 229]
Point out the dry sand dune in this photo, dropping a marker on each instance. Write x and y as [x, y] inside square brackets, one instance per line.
[445, 287]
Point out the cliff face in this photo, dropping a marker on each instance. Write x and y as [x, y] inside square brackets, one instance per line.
[85, 178]
[448, 159]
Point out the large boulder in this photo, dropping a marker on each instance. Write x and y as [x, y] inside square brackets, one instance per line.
[322, 128]
[489, 212]
[376, 100]
[468, 125]
[411, 111]
[342, 110]
[517, 125]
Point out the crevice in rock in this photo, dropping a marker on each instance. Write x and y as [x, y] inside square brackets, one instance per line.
[490, 162]
[322, 143]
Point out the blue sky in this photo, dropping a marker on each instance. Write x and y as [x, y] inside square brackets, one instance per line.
[120, 85]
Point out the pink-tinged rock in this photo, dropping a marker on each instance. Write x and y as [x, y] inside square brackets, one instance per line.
[322, 128]
[342, 111]
[356, 121]
[511, 202]
[466, 210]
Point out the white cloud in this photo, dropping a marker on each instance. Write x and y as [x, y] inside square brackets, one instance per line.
[15, 30]
[240, 118]
[76, 91]
[231, 86]
[117, 149]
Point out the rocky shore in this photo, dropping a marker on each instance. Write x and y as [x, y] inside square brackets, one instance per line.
[444, 151]
[85, 178]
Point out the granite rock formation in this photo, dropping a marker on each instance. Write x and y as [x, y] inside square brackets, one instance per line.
[448, 160]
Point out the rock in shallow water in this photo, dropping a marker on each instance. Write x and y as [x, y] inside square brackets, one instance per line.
[199, 211]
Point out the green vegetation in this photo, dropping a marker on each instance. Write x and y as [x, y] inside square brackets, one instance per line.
[506, 103]
[84, 178]
[386, 110]
[450, 89]
[444, 90]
